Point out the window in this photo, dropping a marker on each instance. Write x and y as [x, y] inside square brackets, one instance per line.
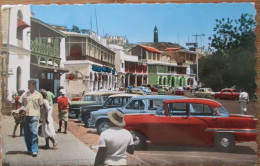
[222, 112]
[201, 110]
[115, 101]
[154, 104]
[136, 104]
[175, 109]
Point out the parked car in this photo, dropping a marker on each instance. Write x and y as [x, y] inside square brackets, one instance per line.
[76, 98]
[161, 91]
[113, 101]
[153, 89]
[204, 93]
[178, 91]
[89, 99]
[137, 105]
[146, 90]
[228, 94]
[166, 87]
[192, 122]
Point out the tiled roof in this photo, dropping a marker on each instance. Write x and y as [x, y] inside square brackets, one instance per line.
[150, 49]
[172, 49]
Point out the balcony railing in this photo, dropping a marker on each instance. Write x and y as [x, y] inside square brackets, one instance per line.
[43, 49]
[70, 58]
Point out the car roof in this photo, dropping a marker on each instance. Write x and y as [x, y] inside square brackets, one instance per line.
[102, 93]
[211, 103]
[165, 97]
[124, 95]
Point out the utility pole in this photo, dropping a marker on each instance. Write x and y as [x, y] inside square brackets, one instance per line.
[197, 58]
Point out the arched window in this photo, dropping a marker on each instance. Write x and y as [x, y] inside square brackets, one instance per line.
[19, 34]
[18, 78]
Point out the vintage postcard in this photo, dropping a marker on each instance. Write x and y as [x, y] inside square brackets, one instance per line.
[181, 77]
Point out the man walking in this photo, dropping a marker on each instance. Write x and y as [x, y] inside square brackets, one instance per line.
[243, 101]
[63, 104]
[32, 101]
[114, 142]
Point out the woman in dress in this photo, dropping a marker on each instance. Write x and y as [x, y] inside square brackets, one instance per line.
[47, 129]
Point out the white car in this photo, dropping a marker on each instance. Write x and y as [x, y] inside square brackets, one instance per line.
[204, 93]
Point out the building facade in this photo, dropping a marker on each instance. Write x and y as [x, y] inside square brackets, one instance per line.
[90, 62]
[46, 56]
[167, 63]
[15, 51]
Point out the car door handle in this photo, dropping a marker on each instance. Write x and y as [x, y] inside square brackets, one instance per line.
[214, 119]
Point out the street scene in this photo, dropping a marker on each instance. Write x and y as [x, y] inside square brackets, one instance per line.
[82, 86]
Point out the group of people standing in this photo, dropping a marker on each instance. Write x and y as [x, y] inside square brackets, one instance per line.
[32, 108]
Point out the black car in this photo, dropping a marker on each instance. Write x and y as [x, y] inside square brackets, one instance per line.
[92, 98]
[113, 101]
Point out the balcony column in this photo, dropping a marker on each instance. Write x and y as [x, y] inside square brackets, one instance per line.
[135, 80]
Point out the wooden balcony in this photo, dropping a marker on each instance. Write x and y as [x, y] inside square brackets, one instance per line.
[43, 49]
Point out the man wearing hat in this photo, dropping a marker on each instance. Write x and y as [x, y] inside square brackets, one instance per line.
[32, 101]
[63, 102]
[114, 142]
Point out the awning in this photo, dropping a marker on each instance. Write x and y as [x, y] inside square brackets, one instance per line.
[150, 49]
[50, 68]
[21, 24]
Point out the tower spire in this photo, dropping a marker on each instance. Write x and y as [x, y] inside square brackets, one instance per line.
[155, 31]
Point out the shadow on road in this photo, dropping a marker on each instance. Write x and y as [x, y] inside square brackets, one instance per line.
[17, 152]
[238, 149]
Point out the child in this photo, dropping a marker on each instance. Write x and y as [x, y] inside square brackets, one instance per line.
[18, 117]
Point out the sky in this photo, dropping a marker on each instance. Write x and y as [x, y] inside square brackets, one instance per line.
[176, 23]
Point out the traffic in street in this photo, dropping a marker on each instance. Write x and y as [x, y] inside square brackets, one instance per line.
[244, 153]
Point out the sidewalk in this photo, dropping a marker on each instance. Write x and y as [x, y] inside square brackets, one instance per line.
[70, 151]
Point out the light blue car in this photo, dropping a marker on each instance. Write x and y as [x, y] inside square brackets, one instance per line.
[147, 104]
[144, 89]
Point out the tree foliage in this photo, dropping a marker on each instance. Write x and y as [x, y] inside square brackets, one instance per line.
[233, 60]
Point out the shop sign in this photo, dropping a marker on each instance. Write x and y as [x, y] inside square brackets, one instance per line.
[103, 69]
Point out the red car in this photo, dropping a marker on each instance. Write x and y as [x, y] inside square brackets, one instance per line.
[154, 89]
[192, 122]
[228, 94]
[76, 98]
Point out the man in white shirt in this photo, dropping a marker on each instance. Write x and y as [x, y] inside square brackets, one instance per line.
[114, 142]
[243, 100]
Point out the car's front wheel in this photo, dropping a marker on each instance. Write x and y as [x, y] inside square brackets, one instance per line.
[102, 126]
[139, 140]
[224, 142]
[86, 121]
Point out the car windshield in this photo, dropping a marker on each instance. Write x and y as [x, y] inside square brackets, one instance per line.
[222, 112]
[94, 98]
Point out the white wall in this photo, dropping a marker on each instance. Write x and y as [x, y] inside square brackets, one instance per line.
[62, 61]
[25, 9]
[18, 56]
[14, 62]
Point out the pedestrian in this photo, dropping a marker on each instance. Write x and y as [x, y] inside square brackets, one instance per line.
[63, 104]
[32, 101]
[18, 115]
[243, 101]
[50, 97]
[47, 129]
[114, 142]
[16, 102]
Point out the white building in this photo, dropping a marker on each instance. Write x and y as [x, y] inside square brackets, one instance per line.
[90, 62]
[16, 34]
